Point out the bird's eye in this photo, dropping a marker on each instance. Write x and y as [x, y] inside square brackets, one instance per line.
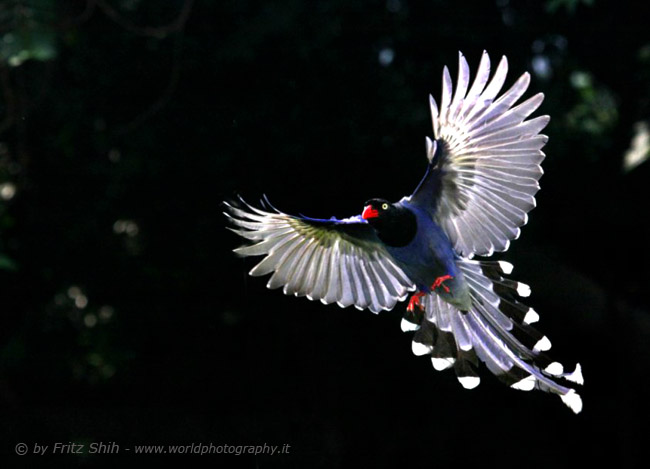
[384, 206]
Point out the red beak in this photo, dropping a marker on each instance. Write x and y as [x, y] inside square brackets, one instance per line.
[369, 212]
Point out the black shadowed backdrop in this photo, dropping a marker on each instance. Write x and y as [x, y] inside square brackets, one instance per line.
[127, 320]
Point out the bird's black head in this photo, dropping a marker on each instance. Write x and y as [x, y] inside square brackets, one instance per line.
[395, 224]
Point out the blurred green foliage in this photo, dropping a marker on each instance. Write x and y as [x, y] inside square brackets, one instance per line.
[595, 113]
[29, 31]
[19, 46]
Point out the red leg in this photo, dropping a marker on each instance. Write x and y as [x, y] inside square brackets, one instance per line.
[415, 301]
[439, 283]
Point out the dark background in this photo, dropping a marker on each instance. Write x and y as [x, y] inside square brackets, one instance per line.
[124, 314]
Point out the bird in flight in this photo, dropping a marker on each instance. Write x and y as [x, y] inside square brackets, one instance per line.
[482, 176]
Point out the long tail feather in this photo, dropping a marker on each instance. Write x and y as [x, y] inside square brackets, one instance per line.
[496, 331]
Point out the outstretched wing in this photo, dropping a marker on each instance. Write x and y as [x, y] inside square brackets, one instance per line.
[485, 161]
[334, 261]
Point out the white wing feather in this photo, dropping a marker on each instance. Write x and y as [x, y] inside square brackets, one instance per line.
[490, 157]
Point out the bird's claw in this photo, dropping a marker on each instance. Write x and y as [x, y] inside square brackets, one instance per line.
[439, 283]
[415, 298]
[415, 301]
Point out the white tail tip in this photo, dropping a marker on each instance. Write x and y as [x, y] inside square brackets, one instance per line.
[576, 376]
[440, 364]
[506, 267]
[542, 345]
[469, 382]
[408, 326]
[526, 384]
[555, 369]
[420, 349]
[573, 400]
[523, 290]
[531, 316]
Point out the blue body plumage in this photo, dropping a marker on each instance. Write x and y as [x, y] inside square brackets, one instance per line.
[430, 256]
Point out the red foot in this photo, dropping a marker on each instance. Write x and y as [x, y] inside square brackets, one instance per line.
[439, 283]
[415, 301]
